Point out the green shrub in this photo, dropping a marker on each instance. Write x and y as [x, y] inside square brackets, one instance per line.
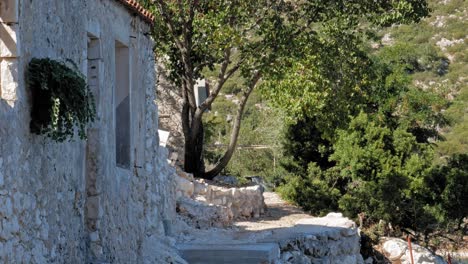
[61, 100]
[315, 193]
[449, 185]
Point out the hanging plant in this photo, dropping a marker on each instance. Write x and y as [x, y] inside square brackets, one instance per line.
[61, 100]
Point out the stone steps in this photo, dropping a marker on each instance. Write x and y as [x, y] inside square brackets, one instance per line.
[259, 253]
[330, 239]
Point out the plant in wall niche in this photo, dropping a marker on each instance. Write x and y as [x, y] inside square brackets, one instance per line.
[61, 99]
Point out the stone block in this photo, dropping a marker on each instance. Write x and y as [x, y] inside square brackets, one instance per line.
[92, 207]
[94, 236]
[184, 187]
[9, 80]
[9, 47]
[348, 232]
[9, 11]
[200, 188]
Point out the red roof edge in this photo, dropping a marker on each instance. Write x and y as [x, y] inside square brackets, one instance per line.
[134, 6]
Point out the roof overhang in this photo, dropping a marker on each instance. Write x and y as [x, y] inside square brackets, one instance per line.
[138, 10]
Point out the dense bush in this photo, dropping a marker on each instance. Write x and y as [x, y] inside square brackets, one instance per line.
[380, 162]
[386, 174]
[448, 185]
[385, 168]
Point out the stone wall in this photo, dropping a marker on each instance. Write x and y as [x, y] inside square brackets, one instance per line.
[170, 109]
[334, 239]
[69, 202]
[211, 205]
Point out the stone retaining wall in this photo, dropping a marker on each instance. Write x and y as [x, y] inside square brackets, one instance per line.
[330, 239]
[231, 203]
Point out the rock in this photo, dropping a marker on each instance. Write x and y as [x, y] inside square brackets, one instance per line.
[295, 257]
[258, 181]
[94, 236]
[394, 249]
[6, 207]
[184, 187]
[200, 188]
[231, 180]
[201, 215]
[184, 174]
[348, 232]
[397, 251]
[10, 227]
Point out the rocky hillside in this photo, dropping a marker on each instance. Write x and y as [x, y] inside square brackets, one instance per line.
[439, 44]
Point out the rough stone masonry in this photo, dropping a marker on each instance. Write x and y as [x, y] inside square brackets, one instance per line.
[70, 202]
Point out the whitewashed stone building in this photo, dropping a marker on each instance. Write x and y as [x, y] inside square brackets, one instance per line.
[83, 201]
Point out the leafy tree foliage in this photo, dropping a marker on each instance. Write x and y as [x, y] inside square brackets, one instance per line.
[258, 40]
[369, 147]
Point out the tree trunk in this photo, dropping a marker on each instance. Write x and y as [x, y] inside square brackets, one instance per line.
[193, 162]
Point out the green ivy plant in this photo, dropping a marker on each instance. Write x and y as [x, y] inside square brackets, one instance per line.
[61, 99]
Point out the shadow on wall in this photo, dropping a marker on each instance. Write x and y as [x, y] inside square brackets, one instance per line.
[8, 43]
[169, 102]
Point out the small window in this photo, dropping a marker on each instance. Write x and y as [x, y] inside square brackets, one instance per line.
[122, 105]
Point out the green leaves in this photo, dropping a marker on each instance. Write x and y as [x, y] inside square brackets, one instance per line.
[61, 100]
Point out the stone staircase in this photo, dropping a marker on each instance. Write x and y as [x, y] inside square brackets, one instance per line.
[331, 239]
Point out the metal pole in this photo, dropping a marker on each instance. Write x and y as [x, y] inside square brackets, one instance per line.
[410, 249]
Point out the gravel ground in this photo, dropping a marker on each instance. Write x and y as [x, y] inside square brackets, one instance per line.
[279, 214]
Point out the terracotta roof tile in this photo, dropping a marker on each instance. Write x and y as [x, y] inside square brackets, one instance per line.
[133, 5]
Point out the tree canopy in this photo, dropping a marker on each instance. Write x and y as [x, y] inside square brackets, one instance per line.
[263, 40]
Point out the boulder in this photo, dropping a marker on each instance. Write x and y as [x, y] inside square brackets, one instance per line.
[397, 251]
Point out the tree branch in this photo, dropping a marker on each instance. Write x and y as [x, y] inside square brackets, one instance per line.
[184, 47]
[222, 163]
[221, 80]
[164, 10]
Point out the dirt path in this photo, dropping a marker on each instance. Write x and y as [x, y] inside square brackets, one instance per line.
[279, 214]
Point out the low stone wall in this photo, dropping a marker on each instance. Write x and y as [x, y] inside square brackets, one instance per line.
[330, 239]
[232, 203]
[201, 215]
[245, 202]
